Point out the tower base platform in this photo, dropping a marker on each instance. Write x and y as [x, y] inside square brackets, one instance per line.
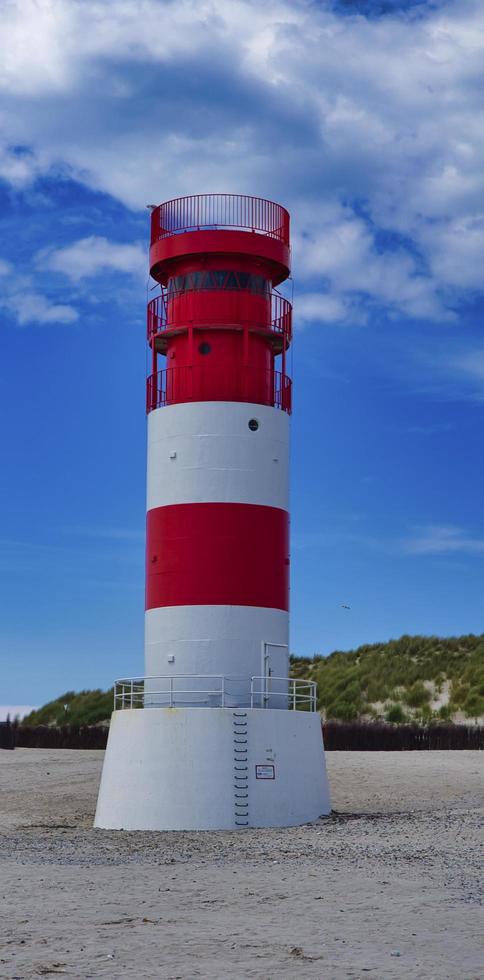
[212, 769]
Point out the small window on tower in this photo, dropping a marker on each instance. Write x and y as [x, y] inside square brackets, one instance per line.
[253, 425]
[208, 281]
[231, 281]
[195, 280]
[219, 278]
[243, 278]
[258, 284]
[204, 347]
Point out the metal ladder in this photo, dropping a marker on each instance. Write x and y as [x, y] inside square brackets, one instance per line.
[241, 769]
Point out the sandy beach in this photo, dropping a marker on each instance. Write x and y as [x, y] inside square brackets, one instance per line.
[387, 887]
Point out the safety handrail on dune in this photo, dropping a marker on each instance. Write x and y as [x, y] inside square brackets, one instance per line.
[214, 691]
[220, 211]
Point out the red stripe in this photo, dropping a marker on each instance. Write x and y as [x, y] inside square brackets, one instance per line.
[217, 554]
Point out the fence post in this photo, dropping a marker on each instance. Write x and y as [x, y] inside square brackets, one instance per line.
[171, 692]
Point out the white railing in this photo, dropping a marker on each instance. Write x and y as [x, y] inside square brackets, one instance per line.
[300, 694]
[215, 691]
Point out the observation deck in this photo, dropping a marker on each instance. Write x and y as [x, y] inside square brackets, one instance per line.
[218, 320]
[186, 383]
[224, 304]
[220, 223]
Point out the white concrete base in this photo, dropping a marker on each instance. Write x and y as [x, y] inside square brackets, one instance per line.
[211, 769]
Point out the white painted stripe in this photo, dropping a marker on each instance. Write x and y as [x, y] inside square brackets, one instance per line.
[214, 640]
[205, 452]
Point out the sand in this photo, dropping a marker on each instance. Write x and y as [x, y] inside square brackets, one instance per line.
[388, 887]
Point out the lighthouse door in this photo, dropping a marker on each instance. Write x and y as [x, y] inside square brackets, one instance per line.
[275, 667]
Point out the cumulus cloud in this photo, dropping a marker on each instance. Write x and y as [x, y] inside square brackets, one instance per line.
[341, 248]
[323, 307]
[369, 128]
[93, 255]
[20, 298]
[33, 307]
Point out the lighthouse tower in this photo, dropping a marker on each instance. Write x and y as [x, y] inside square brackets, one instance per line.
[216, 735]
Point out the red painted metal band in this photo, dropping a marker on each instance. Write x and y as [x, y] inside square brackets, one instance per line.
[217, 554]
[261, 248]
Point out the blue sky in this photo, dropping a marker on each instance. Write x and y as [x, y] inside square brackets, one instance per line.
[365, 119]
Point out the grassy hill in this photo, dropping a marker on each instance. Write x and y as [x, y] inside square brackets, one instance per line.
[415, 678]
[85, 708]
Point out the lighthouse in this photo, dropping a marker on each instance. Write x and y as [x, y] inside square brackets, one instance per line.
[216, 735]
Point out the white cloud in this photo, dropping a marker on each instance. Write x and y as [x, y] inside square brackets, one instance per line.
[340, 247]
[442, 539]
[26, 304]
[323, 307]
[33, 307]
[93, 255]
[17, 168]
[362, 126]
[470, 363]
[456, 255]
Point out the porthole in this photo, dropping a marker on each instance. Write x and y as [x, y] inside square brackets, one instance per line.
[253, 425]
[204, 347]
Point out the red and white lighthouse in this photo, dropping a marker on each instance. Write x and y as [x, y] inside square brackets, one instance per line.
[215, 740]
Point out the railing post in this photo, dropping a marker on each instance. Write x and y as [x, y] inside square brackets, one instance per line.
[245, 358]
[132, 693]
[191, 349]
[283, 367]
[294, 695]
[223, 691]
[154, 374]
[171, 692]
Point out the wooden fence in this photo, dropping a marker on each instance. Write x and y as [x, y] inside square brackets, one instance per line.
[379, 737]
[338, 736]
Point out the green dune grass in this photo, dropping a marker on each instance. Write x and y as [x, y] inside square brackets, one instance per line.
[415, 678]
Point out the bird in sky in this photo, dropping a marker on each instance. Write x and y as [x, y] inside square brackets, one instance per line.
[345, 606]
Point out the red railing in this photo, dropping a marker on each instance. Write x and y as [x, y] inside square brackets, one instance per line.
[218, 211]
[179, 309]
[199, 383]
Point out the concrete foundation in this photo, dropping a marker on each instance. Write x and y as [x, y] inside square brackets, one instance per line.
[212, 769]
